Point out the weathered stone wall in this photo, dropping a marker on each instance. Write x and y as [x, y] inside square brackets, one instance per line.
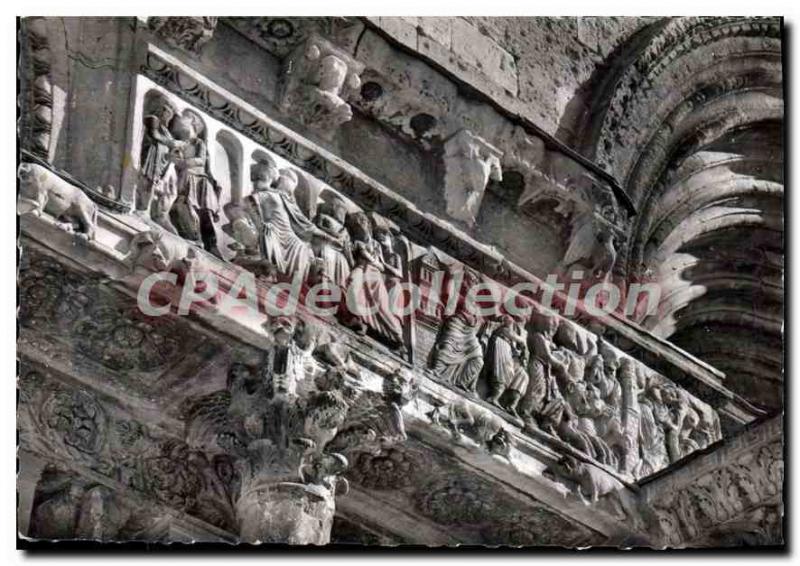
[542, 68]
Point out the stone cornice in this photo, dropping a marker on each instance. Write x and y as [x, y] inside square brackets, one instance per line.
[173, 75]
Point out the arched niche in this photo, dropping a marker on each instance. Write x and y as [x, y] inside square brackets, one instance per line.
[227, 158]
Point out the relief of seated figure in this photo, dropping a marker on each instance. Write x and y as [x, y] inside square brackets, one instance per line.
[505, 365]
[457, 356]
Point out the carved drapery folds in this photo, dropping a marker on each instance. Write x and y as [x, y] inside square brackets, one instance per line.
[548, 375]
[185, 32]
[319, 78]
[285, 423]
[178, 190]
[470, 162]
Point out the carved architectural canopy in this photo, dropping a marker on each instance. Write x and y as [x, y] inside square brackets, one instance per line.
[179, 381]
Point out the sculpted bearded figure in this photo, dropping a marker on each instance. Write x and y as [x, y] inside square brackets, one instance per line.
[284, 230]
[457, 356]
[542, 388]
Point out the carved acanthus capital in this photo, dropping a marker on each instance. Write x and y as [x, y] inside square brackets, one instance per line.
[287, 422]
[319, 79]
[470, 162]
[189, 33]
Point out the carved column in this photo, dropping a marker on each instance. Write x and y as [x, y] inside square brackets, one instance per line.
[470, 161]
[630, 414]
[287, 423]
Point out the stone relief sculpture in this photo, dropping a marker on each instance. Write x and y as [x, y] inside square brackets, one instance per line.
[505, 364]
[549, 376]
[457, 354]
[282, 422]
[320, 78]
[285, 231]
[44, 192]
[333, 254]
[591, 250]
[195, 212]
[189, 33]
[368, 284]
[470, 161]
[158, 145]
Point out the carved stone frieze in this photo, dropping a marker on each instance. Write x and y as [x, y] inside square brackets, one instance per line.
[470, 162]
[733, 494]
[80, 431]
[59, 302]
[548, 375]
[186, 32]
[392, 468]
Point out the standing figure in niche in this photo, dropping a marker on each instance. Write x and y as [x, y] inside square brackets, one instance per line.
[332, 248]
[285, 230]
[196, 210]
[392, 260]
[158, 149]
[368, 298]
[457, 355]
[506, 361]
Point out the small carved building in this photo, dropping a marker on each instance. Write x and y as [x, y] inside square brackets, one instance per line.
[617, 181]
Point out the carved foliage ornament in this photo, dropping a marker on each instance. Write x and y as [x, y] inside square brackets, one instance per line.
[73, 427]
[58, 302]
[189, 33]
[284, 422]
[751, 481]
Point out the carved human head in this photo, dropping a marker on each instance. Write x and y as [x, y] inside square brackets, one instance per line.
[332, 74]
[282, 329]
[186, 126]
[263, 174]
[287, 181]
[358, 225]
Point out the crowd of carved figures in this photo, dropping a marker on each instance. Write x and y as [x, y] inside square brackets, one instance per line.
[548, 375]
[544, 372]
[268, 231]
